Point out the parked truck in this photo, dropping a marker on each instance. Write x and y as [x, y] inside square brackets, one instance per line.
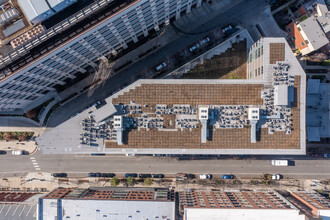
[280, 162]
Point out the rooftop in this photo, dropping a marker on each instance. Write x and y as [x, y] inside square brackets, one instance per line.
[112, 193]
[312, 199]
[235, 204]
[110, 203]
[314, 33]
[56, 37]
[163, 116]
[18, 206]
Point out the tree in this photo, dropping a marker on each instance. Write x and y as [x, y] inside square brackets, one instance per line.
[114, 181]
[22, 137]
[131, 181]
[9, 136]
[148, 181]
[31, 114]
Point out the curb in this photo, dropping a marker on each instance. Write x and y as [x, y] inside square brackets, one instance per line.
[35, 150]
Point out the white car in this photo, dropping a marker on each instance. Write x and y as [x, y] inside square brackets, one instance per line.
[276, 177]
[159, 67]
[17, 152]
[205, 40]
[205, 176]
[229, 27]
[194, 47]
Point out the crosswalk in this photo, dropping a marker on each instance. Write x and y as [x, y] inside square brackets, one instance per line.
[35, 163]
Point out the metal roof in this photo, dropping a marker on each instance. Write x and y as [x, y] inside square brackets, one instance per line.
[313, 86]
[281, 95]
[313, 134]
[34, 8]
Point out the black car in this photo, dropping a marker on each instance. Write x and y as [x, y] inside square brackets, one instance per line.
[3, 152]
[94, 175]
[157, 175]
[108, 174]
[130, 175]
[59, 175]
[190, 176]
[143, 175]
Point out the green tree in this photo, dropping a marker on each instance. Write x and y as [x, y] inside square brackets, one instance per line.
[131, 181]
[114, 181]
[9, 136]
[148, 181]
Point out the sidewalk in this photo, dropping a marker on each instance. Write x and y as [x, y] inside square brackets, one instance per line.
[27, 146]
[43, 182]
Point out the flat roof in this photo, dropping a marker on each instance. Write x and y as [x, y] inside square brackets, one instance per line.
[236, 204]
[161, 116]
[281, 96]
[34, 8]
[109, 202]
[315, 35]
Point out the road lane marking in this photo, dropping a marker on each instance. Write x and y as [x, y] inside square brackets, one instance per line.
[35, 163]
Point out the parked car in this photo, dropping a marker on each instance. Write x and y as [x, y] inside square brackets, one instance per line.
[17, 152]
[194, 47]
[205, 176]
[161, 66]
[99, 104]
[226, 176]
[205, 41]
[108, 175]
[143, 175]
[190, 176]
[59, 174]
[131, 175]
[157, 175]
[94, 175]
[3, 152]
[276, 177]
[227, 28]
[97, 154]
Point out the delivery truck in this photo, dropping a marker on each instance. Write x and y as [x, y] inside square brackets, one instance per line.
[280, 162]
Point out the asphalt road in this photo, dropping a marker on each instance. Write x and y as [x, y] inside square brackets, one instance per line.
[246, 13]
[79, 166]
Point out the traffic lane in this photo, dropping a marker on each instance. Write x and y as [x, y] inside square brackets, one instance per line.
[242, 168]
[11, 164]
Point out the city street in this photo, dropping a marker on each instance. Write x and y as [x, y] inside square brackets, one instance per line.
[238, 12]
[79, 166]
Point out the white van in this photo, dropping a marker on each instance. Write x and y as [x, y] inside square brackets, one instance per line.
[205, 176]
[280, 162]
[17, 152]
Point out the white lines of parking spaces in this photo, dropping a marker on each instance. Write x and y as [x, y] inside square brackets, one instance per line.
[35, 163]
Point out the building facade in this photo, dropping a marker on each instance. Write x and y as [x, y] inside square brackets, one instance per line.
[34, 78]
